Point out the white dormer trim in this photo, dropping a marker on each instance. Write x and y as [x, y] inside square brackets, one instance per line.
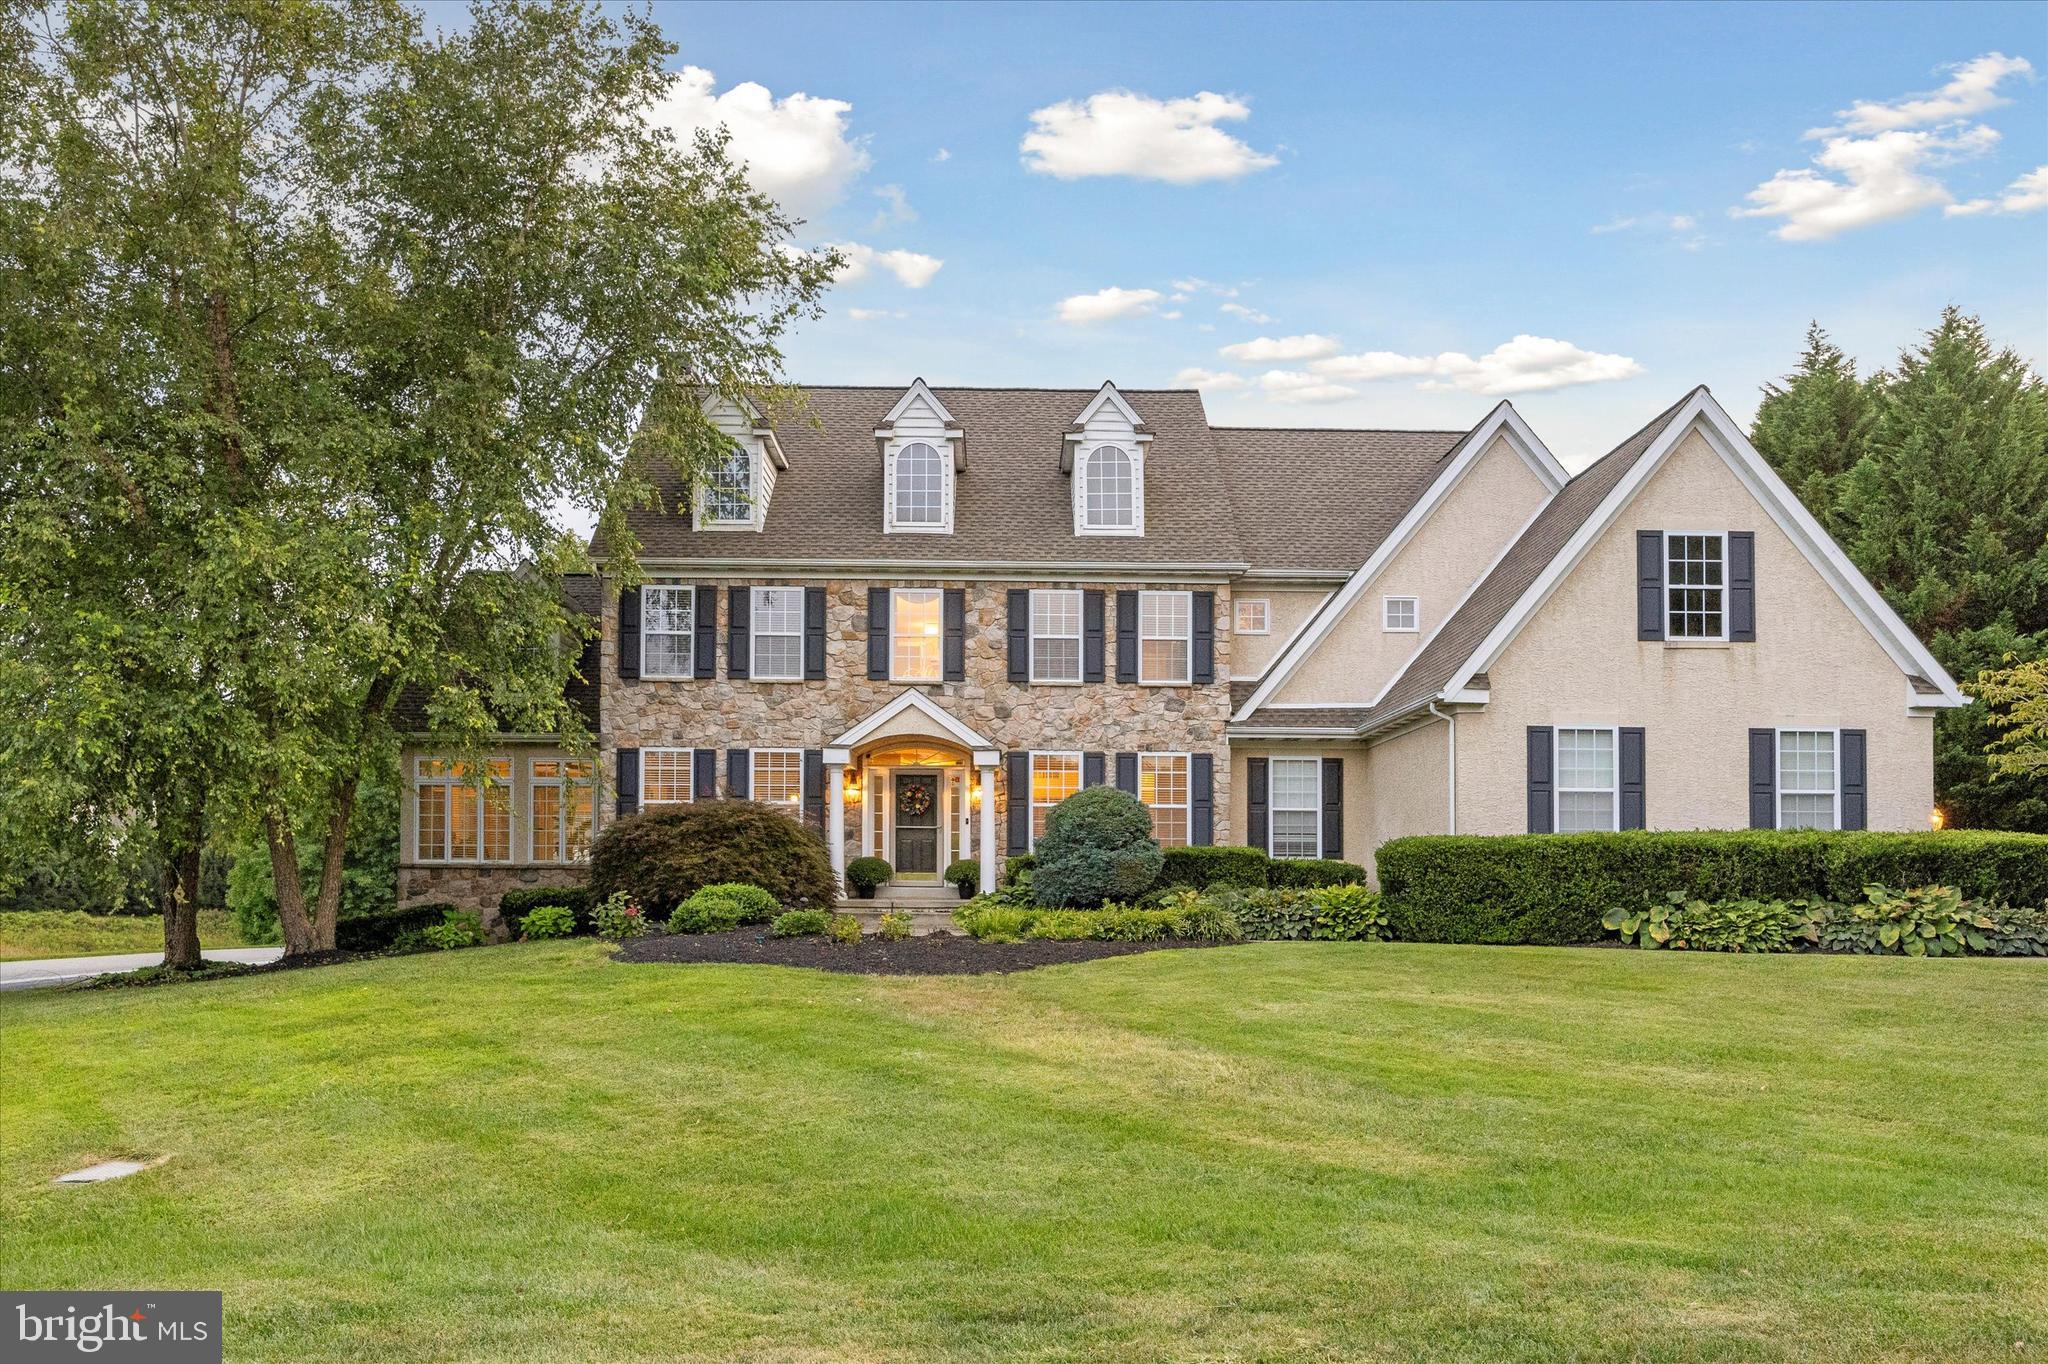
[919, 418]
[1108, 420]
[742, 424]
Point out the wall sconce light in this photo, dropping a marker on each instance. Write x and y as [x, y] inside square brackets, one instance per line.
[1936, 819]
[974, 793]
[849, 786]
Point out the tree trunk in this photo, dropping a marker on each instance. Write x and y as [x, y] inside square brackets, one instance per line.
[299, 938]
[178, 853]
[333, 857]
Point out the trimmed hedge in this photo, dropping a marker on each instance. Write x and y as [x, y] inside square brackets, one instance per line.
[1312, 873]
[380, 931]
[1553, 888]
[515, 905]
[1201, 868]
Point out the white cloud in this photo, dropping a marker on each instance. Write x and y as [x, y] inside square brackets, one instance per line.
[1195, 284]
[875, 314]
[913, 269]
[1670, 222]
[1173, 316]
[1970, 91]
[1526, 364]
[1118, 132]
[1863, 180]
[1291, 386]
[1216, 379]
[1248, 314]
[2027, 194]
[1281, 348]
[895, 208]
[1104, 304]
[796, 148]
[942, 155]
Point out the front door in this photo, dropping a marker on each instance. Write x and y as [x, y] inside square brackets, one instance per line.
[917, 824]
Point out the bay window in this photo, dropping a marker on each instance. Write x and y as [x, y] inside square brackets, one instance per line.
[560, 797]
[461, 813]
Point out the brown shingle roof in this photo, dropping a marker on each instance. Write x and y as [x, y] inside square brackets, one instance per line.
[1303, 717]
[1325, 499]
[1447, 651]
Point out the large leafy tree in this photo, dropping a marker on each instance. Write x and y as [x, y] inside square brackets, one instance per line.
[326, 313]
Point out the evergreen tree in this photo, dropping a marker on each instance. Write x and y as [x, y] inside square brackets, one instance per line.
[1815, 426]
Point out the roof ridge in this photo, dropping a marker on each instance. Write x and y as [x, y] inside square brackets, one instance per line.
[1652, 427]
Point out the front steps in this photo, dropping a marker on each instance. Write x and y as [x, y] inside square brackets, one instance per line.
[930, 907]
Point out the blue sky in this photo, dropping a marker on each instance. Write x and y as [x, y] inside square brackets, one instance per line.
[1386, 195]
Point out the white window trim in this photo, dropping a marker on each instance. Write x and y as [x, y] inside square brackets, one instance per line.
[1080, 637]
[1134, 450]
[1778, 791]
[1187, 670]
[689, 776]
[421, 779]
[944, 525]
[558, 851]
[752, 520]
[1558, 790]
[1387, 615]
[1187, 806]
[1664, 574]
[795, 807]
[754, 635]
[1031, 803]
[1273, 807]
[896, 617]
[690, 669]
[1265, 605]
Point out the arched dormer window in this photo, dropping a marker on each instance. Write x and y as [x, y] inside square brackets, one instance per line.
[1109, 499]
[920, 489]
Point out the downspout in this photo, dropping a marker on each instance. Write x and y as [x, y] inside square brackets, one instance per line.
[1451, 767]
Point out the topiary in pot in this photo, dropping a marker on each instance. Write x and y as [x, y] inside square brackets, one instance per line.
[866, 875]
[965, 876]
[1098, 846]
[663, 857]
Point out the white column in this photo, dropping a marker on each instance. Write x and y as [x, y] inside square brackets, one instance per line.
[867, 813]
[988, 827]
[835, 817]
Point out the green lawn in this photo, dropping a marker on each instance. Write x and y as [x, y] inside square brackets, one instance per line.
[1283, 1152]
[28, 935]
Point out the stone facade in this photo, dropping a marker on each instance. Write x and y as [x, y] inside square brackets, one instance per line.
[478, 886]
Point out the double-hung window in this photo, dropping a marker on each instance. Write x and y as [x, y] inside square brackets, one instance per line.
[1165, 637]
[458, 820]
[1808, 797]
[1401, 614]
[1054, 777]
[1695, 586]
[561, 800]
[920, 488]
[1109, 493]
[916, 634]
[668, 617]
[1055, 635]
[1297, 807]
[778, 777]
[777, 634]
[1163, 789]
[1586, 798]
[664, 776]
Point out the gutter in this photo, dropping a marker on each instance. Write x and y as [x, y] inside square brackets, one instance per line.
[951, 568]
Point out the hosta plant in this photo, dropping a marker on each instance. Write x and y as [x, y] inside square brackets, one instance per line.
[1652, 923]
[1925, 921]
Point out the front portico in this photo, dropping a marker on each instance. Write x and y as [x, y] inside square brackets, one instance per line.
[926, 787]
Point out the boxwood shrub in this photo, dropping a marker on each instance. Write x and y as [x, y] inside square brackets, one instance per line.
[1553, 888]
[515, 905]
[1309, 873]
[380, 931]
[1201, 868]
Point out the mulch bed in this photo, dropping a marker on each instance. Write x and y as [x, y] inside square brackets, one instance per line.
[939, 954]
[148, 976]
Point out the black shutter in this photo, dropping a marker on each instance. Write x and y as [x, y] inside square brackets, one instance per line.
[739, 616]
[878, 634]
[739, 773]
[1742, 586]
[1020, 634]
[1205, 638]
[704, 774]
[629, 782]
[814, 787]
[1127, 772]
[1632, 808]
[629, 632]
[1126, 636]
[1091, 636]
[1763, 779]
[706, 647]
[814, 634]
[1854, 759]
[955, 647]
[1201, 800]
[1093, 769]
[1540, 780]
[1649, 584]
[1017, 777]
[1333, 807]
[1255, 802]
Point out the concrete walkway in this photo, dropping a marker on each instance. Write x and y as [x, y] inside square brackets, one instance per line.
[26, 975]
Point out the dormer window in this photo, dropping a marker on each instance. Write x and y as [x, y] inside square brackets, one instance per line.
[923, 450]
[1104, 454]
[729, 490]
[1108, 498]
[734, 488]
[920, 487]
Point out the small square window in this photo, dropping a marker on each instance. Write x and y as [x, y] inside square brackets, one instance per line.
[1403, 614]
[1254, 616]
[778, 777]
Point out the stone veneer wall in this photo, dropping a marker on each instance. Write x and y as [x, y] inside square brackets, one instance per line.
[721, 713]
[478, 887]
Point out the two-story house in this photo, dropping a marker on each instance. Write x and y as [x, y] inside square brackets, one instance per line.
[920, 617]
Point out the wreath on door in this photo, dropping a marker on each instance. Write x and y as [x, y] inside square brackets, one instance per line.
[913, 799]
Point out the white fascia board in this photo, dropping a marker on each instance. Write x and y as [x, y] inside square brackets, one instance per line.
[945, 724]
[1503, 420]
[918, 389]
[1108, 394]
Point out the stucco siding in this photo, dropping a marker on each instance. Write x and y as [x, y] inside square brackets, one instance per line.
[1357, 820]
[1407, 790]
[1461, 539]
[1812, 665]
[1287, 610]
